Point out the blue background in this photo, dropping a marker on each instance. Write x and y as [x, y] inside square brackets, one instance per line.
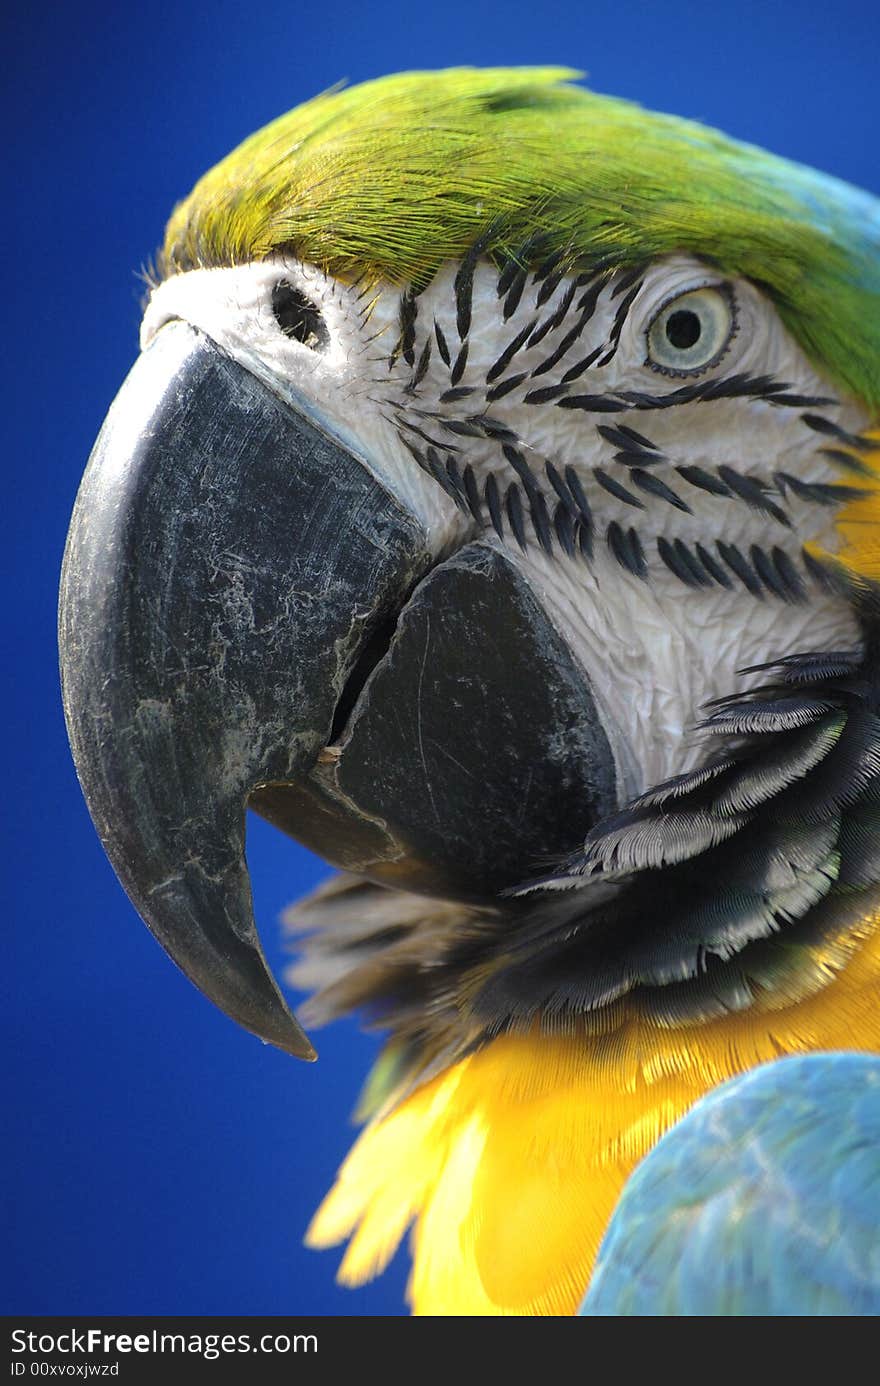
[157, 1159]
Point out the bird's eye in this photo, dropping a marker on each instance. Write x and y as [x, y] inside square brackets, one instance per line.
[692, 331]
[298, 317]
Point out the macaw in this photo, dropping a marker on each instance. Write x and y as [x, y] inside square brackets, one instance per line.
[492, 507]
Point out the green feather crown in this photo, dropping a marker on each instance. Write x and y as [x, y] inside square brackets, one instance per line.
[389, 179]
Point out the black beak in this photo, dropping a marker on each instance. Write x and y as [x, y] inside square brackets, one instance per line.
[227, 563]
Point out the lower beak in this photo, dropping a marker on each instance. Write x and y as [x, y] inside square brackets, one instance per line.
[227, 563]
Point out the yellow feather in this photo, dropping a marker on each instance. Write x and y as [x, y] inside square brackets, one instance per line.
[858, 522]
[510, 1164]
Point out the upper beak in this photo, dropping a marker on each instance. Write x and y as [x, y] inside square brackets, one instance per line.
[228, 559]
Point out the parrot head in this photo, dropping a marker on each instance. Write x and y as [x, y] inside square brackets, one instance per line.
[492, 508]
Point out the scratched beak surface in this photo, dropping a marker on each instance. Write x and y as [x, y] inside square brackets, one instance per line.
[227, 562]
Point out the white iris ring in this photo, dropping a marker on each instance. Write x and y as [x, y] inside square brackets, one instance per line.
[692, 331]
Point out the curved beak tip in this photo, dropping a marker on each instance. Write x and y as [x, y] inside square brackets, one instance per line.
[293, 1041]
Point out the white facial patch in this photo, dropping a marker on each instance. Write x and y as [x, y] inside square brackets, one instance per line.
[660, 513]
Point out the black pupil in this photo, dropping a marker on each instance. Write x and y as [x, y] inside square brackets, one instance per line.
[683, 329]
[298, 317]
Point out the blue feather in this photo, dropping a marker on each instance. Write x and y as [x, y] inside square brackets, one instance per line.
[763, 1200]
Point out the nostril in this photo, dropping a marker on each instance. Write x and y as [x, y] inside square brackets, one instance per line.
[298, 317]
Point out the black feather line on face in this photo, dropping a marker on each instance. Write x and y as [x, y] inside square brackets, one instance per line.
[472, 494]
[508, 273]
[593, 404]
[408, 314]
[848, 462]
[516, 343]
[636, 439]
[704, 481]
[511, 383]
[616, 489]
[753, 493]
[817, 492]
[580, 367]
[562, 349]
[421, 369]
[691, 563]
[541, 522]
[617, 326]
[464, 292]
[515, 515]
[545, 395]
[494, 428]
[714, 570]
[458, 368]
[442, 346]
[584, 532]
[555, 318]
[638, 459]
[788, 574]
[564, 526]
[549, 276]
[514, 294]
[626, 548]
[738, 386]
[628, 441]
[766, 572]
[518, 462]
[441, 473]
[548, 265]
[670, 557]
[453, 396]
[819, 424]
[492, 496]
[407, 426]
[465, 428]
[653, 486]
[560, 487]
[738, 565]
